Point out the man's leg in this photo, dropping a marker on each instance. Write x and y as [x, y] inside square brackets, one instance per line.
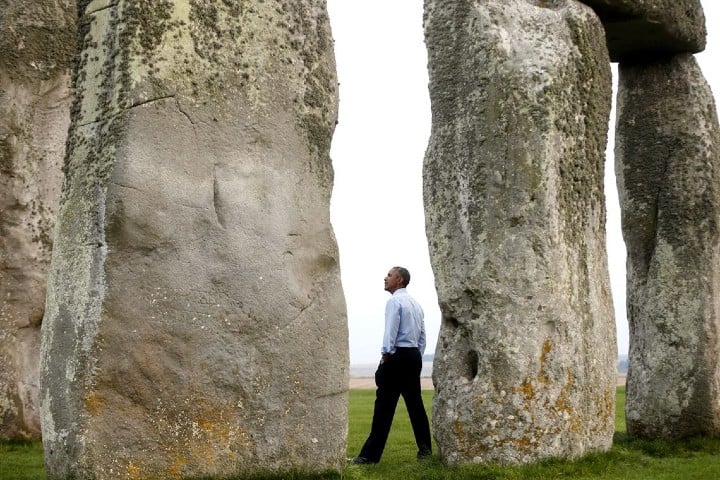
[412, 394]
[386, 399]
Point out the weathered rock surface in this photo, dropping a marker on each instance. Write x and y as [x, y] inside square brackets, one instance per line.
[668, 168]
[513, 190]
[195, 321]
[642, 28]
[37, 42]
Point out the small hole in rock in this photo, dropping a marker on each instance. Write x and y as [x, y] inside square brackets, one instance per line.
[471, 365]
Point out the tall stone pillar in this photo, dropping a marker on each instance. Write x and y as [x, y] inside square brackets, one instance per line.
[37, 42]
[195, 322]
[513, 189]
[668, 167]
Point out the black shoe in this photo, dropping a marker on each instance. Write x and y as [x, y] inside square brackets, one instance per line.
[424, 454]
[360, 461]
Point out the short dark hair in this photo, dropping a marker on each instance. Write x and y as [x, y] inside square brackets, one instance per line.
[404, 273]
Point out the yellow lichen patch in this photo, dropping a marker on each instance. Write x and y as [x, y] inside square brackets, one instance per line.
[527, 390]
[542, 376]
[605, 410]
[458, 430]
[608, 409]
[177, 466]
[202, 437]
[135, 472]
[468, 445]
[94, 404]
[564, 405]
[217, 440]
[522, 443]
[547, 347]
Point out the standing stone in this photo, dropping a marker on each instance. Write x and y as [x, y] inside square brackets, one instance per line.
[641, 28]
[668, 169]
[513, 185]
[195, 322]
[37, 42]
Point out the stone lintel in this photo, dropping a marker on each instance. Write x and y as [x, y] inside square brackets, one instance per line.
[641, 28]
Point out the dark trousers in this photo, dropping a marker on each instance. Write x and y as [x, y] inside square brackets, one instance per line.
[400, 375]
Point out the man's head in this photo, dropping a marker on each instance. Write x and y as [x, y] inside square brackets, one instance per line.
[397, 277]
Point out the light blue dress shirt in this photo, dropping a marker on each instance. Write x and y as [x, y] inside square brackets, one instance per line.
[404, 324]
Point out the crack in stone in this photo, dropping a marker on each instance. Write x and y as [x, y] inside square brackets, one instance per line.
[151, 100]
[94, 244]
[126, 186]
[194, 207]
[297, 318]
[125, 110]
[332, 394]
[100, 9]
[180, 109]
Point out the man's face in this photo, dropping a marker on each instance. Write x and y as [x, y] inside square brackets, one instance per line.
[393, 281]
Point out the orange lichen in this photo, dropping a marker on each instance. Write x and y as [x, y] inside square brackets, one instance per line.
[94, 404]
[527, 390]
[521, 443]
[547, 346]
[542, 376]
[177, 466]
[135, 472]
[563, 404]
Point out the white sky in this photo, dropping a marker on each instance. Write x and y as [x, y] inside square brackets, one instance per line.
[378, 151]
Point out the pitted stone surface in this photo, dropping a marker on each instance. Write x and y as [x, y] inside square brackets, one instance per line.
[513, 184]
[37, 42]
[195, 320]
[668, 167]
[642, 28]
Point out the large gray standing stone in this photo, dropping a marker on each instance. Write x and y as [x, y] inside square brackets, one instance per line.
[513, 185]
[668, 168]
[195, 321]
[642, 28]
[37, 42]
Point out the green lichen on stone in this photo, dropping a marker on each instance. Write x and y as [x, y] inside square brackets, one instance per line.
[37, 39]
[582, 168]
[320, 97]
[7, 151]
[667, 163]
[135, 29]
[148, 22]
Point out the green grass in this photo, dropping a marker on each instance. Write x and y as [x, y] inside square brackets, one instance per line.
[696, 459]
[692, 459]
[21, 461]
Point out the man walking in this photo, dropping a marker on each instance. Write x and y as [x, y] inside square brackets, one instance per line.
[399, 370]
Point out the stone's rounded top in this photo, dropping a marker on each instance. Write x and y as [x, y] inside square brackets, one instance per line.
[638, 28]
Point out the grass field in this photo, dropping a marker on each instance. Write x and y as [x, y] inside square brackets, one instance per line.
[694, 459]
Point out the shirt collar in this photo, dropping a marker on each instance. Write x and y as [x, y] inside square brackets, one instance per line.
[399, 290]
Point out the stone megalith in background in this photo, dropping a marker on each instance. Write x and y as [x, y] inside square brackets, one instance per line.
[668, 169]
[513, 190]
[195, 321]
[37, 43]
[642, 28]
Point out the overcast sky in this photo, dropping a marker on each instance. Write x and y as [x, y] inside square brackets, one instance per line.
[378, 150]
